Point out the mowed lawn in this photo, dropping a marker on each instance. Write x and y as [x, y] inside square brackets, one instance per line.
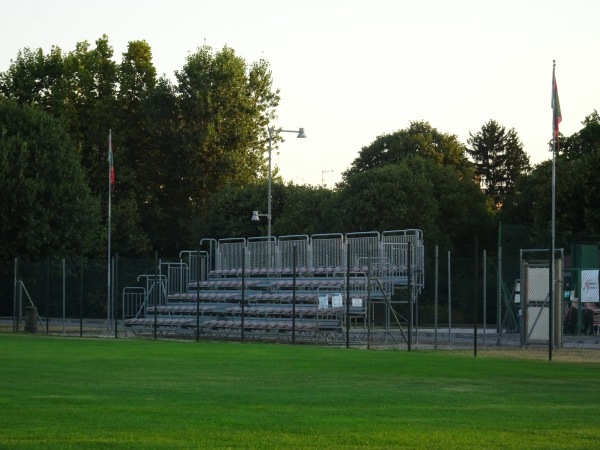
[137, 393]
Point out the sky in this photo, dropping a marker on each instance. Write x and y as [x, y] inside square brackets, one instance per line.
[349, 71]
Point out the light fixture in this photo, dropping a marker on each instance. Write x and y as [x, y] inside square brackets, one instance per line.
[256, 216]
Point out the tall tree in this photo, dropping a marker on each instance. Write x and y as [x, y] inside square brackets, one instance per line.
[78, 87]
[585, 141]
[499, 160]
[224, 106]
[175, 143]
[134, 199]
[47, 207]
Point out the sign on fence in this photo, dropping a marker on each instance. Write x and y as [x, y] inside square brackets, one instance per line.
[589, 286]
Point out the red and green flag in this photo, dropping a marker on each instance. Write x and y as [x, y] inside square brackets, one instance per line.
[556, 114]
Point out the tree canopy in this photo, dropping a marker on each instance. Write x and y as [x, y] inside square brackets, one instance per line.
[174, 143]
[421, 139]
[584, 142]
[577, 186]
[499, 160]
[190, 156]
[46, 203]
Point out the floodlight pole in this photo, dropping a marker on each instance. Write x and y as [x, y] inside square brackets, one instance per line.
[269, 183]
[272, 131]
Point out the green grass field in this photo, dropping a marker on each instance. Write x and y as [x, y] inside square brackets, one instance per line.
[137, 393]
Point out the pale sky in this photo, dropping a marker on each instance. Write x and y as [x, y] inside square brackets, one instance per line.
[350, 70]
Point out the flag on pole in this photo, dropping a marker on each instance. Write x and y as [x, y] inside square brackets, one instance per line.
[111, 167]
[556, 114]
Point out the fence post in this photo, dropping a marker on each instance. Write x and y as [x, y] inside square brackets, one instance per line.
[348, 295]
[475, 295]
[294, 263]
[499, 283]
[116, 294]
[435, 304]
[243, 323]
[198, 296]
[524, 326]
[410, 297]
[449, 302]
[550, 302]
[15, 304]
[484, 265]
[47, 295]
[64, 299]
[81, 297]
[20, 304]
[369, 312]
[155, 289]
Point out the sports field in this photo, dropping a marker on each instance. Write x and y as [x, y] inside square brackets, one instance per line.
[104, 393]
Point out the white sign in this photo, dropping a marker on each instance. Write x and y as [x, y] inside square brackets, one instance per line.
[589, 286]
[537, 284]
[337, 300]
[323, 301]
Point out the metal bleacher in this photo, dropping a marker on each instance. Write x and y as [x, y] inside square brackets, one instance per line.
[305, 287]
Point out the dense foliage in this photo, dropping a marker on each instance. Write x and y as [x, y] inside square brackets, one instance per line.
[46, 203]
[174, 144]
[499, 160]
[577, 186]
[419, 139]
[190, 162]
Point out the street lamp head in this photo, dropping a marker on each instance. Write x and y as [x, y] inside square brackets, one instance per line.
[301, 133]
[256, 216]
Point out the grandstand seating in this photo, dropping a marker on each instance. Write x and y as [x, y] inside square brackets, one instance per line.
[305, 286]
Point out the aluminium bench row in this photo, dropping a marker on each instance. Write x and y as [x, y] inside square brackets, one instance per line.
[233, 324]
[278, 284]
[304, 271]
[235, 310]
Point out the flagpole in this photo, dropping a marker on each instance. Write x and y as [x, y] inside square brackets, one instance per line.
[555, 104]
[108, 321]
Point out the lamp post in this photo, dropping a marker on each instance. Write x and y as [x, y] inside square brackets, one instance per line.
[255, 214]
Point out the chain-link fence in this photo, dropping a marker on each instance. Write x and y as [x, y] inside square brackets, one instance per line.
[66, 296]
[503, 296]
